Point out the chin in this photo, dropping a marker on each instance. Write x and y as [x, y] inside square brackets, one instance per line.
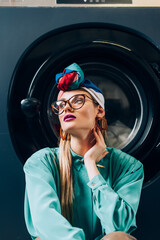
[72, 130]
[68, 129]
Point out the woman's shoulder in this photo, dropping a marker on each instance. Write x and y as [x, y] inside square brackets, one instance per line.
[43, 158]
[123, 166]
[117, 156]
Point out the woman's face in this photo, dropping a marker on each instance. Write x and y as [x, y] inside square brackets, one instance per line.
[84, 117]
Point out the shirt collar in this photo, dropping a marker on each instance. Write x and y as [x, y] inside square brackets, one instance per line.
[77, 160]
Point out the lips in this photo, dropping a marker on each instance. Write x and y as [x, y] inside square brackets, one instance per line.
[68, 117]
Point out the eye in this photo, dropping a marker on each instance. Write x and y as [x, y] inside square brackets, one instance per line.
[60, 104]
[77, 100]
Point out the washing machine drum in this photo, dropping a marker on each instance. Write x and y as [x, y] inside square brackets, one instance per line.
[123, 63]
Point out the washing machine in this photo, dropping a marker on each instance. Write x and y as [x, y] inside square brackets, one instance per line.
[119, 50]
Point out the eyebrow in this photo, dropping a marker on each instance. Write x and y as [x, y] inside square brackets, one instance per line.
[70, 97]
[62, 99]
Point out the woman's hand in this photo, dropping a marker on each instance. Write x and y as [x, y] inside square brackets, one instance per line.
[98, 150]
[118, 236]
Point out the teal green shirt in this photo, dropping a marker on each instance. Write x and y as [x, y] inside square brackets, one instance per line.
[106, 203]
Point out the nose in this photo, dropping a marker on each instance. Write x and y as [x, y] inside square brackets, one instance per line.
[68, 107]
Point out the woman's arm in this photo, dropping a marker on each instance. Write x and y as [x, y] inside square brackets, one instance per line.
[42, 206]
[116, 208]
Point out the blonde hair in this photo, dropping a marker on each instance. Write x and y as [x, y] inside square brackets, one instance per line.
[66, 174]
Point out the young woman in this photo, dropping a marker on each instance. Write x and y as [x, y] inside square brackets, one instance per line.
[81, 189]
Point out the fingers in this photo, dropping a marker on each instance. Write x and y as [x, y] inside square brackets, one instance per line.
[99, 136]
[104, 154]
[92, 137]
[132, 238]
[96, 132]
[100, 140]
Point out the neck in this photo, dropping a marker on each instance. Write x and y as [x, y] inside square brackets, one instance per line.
[82, 143]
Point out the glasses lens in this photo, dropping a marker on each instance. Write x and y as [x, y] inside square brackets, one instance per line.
[77, 101]
[58, 106]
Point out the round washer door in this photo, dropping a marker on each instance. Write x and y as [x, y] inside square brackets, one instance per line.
[123, 63]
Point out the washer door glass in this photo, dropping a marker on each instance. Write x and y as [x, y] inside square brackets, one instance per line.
[124, 109]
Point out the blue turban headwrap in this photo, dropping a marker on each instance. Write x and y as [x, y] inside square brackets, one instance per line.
[73, 78]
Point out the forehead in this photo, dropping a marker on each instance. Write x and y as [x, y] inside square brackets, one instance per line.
[67, 94]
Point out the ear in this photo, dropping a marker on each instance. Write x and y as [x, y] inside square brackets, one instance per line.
[100, 111]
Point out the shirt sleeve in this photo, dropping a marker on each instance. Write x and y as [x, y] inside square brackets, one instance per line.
[116, 206]
[42, 206]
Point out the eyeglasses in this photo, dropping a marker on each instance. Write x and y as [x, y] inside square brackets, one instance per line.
[76, 102]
